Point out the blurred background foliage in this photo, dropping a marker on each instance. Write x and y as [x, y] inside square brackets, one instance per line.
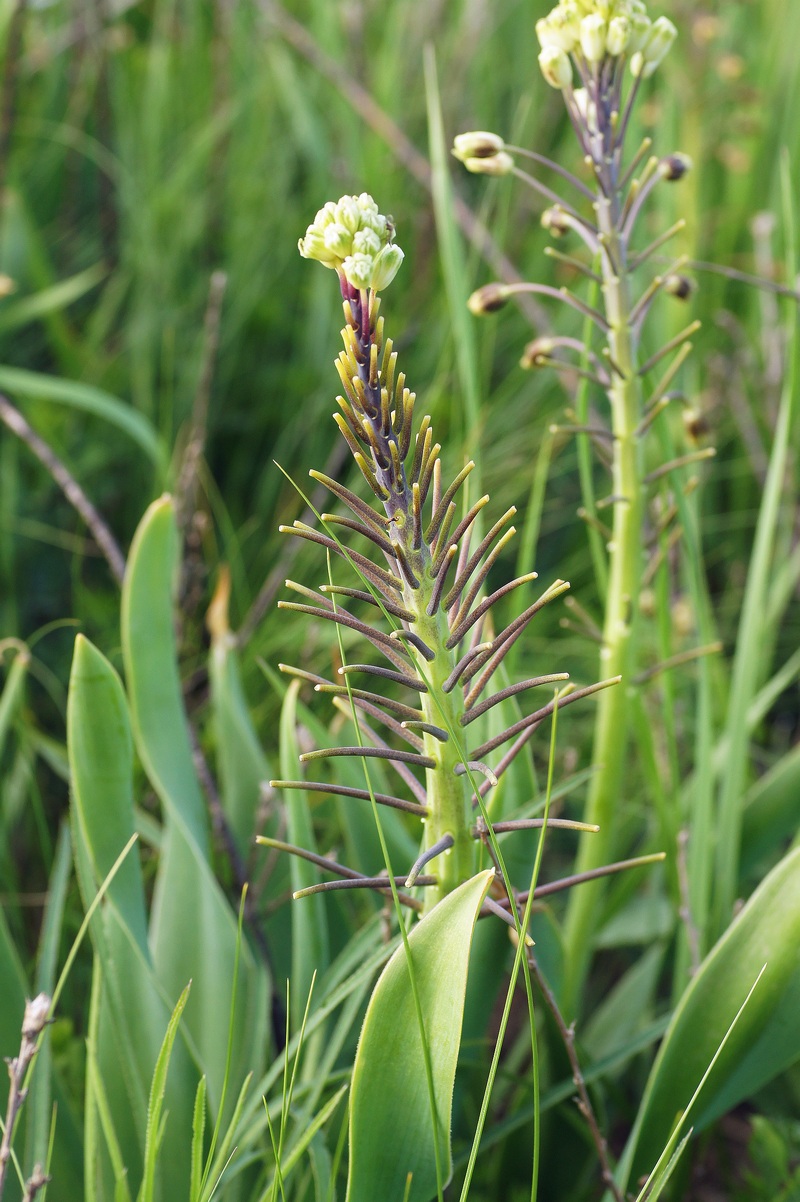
[145, 146]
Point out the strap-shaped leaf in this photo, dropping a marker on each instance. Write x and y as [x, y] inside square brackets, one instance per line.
[193, 932]
[391, 1125]
[766, 1038]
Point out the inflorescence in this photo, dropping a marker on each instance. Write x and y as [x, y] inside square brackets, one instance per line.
[426, 574]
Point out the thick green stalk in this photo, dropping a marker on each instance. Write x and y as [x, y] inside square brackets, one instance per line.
[625, 560]
[449, 810]
[447, 793]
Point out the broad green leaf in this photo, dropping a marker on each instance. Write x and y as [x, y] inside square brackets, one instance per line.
[100, 751]
[769, 812]
[131, 1012]
[766, 1038]
[151, 671]
[391, 1125]
[193, 930]
[21, 382]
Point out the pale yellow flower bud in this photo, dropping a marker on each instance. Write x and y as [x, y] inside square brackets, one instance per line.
[348, 213]
[593, 37]
[366, 242]
[619, 33]
[350, 235]
[658, 45]
[326, 215]
[338, 240]
[560, 28]
[640, 26]
[358, 270]
[386, 266]
[555, 67]
[313, 247]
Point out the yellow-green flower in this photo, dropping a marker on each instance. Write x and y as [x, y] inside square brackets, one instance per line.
[353, 238]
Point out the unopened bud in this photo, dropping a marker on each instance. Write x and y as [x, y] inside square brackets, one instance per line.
[358, 270]
[366, 242]
[560, 28]
[488, 299]
[675, 166]
[498, 164]
[348, 213]
[679, 286]
[338, 240]
[536, 353]
[593, 37]
[478, 144]
[386, 266]
[556, 67]
[554, 220]
[619, 33]
[662, 34]
[640, 26]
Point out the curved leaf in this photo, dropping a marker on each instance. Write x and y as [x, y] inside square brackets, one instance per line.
[129, 1009]
[90, 399]
[391, 1127]
[193, 929]
[766, 1038]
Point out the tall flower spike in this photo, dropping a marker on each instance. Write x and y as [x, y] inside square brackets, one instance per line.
[428, 582]
[605, 43]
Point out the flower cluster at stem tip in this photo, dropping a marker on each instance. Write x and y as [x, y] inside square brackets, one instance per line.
[594, 30]
[353, 238]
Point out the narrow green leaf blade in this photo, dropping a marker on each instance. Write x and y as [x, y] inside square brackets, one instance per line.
[156, 1104]
[21, 382]
[391, 1128]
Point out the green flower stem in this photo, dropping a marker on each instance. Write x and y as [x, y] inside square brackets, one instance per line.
[625, 566]
[450, 813]
[447, 794]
